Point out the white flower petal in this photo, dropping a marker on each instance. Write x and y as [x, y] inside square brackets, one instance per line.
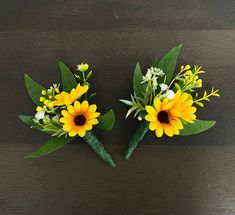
[163, 86]
[40, 115]
[170, 94]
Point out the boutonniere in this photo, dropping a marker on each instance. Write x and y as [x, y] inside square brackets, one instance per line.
[166, 103]
[66, 112]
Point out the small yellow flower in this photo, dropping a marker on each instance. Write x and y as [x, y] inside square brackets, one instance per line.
[42, 99]
[44, 92]
[65, 98]
[39, 109]
[82, 67]
[165, 116]
[79, 118]
[198, 83]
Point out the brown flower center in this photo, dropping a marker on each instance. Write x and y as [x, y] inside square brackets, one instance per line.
[163, 117]
[80, 120]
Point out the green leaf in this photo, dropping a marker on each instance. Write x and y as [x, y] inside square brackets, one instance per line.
[137, 86]
[197, 127]
[34, 89]
[29, 121]
[68, 79]
[168, 62]
[136, 138]
[106, 121]
[52, 145]
[98, 147]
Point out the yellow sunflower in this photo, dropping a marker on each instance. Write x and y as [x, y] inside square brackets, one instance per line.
[165, 116]
[65, 98]
[79, 118]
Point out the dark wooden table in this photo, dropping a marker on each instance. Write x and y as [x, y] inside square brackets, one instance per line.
[181, 176]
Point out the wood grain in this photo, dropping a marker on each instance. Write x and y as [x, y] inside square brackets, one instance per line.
[180, 176]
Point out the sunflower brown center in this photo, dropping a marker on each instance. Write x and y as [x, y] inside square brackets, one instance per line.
[80, 120]
[163, 117]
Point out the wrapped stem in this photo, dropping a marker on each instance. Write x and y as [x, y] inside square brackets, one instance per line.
[136, 138]
[98, 147]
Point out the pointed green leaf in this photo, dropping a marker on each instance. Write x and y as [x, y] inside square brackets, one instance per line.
[106, 121]
[52, 145]
[197, 127]
[136, 138]
[68, 79]
[98, 147]
[34, 89]
[29, 121]
[137, 86]
[168, 62]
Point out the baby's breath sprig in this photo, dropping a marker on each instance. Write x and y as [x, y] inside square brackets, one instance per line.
[205, 97]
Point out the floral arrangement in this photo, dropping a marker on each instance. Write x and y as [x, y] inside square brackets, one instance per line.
[166, 104]
[65, 112]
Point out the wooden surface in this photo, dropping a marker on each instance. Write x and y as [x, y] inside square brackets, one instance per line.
[193, 175]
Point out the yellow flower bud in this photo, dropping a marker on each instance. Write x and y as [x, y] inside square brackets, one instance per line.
[44, 92]
[198, 83]
[50, 104]
[39, 109]
[82, 67]
[42, 99]
[46, 102]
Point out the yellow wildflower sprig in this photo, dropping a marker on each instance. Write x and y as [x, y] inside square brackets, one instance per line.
[189, 78]
[205, 97]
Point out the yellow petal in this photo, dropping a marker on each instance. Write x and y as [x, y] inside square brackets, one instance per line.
[71, 109]
[91, 109]
[151, 118]
[157, 103]
[66, 114]
[67, 127]
[81, 132]
[152, 126]
[84, 106]
[168, 131]
[92, 122]
[73, 132]
[77, 106]
[93, 115]
[159, 131]
[150, 110]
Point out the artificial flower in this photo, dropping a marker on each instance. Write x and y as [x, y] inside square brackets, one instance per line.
[82, 67]
[79, 118]
[66, 114]
[165, 116]
[65, 98]
[166, 103]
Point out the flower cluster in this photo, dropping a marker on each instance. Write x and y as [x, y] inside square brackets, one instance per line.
[67, 113]
[167, 107]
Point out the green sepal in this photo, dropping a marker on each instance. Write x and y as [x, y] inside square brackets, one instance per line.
[136, 138]
[168, 62]
[34, 89]
[68, 79]
[99, 149]
[106, 121]
[197, 127]
[51, 145]
[137, 78]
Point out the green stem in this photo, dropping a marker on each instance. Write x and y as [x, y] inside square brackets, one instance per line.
[136, 138]
[99, 149]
